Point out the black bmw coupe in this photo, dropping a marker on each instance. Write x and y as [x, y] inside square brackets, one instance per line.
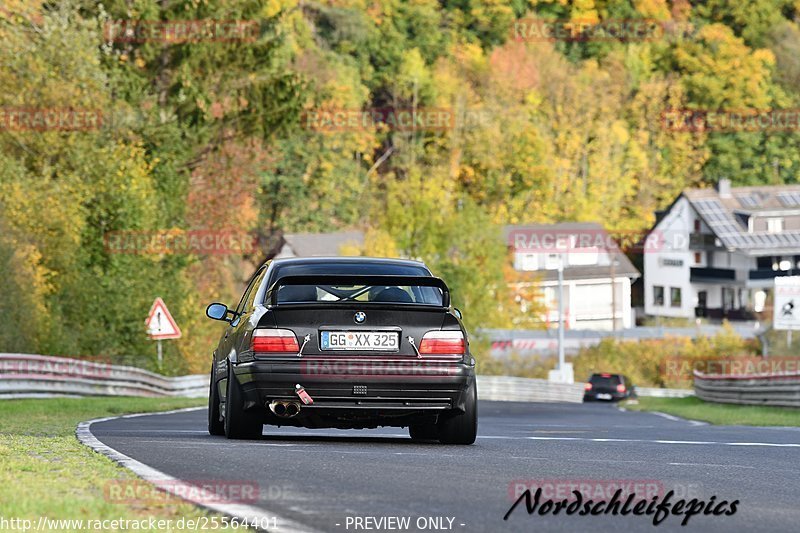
[343, 343]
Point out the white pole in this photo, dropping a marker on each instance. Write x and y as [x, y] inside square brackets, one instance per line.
[561, 313]
[160, 357]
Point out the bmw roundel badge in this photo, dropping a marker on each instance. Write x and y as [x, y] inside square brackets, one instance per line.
[360, 317]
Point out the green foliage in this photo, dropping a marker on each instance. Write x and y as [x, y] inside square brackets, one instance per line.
[693, 408]
[209, 134]
[38, 445]
[660, 362]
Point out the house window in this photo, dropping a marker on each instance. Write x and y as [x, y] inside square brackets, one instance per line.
[658, 295]
[551, 261]
[697, 225]
[675, 296]
[728, 296]
[526, 262]
[774, 225]
[698, 258]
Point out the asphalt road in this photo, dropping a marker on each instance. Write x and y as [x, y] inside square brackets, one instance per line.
[327, 479]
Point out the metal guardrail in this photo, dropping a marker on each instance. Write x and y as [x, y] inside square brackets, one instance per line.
[27, 375]
[753, 389]
[40, 376]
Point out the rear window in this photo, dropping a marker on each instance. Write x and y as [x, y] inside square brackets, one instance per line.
[409, 294]
[600, 380]
[358, 293]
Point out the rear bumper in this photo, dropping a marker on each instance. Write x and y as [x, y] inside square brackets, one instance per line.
[366, 388]
[607, 396]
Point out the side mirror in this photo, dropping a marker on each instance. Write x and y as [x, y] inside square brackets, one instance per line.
[457, 312]
[217, 312]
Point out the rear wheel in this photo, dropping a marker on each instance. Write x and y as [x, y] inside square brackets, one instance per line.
[239, 424]
[215, 424]
[461, 428]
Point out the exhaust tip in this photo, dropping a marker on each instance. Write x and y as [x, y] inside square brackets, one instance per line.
[279, 408]
[284, 409]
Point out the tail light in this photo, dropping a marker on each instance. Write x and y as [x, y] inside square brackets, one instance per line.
[587, 386]
[443, 342]
[274, 341]
[620, 388]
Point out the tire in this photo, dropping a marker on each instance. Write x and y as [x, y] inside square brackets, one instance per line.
[239, 424]
[422, 431]
[461, 428]
[215, 424]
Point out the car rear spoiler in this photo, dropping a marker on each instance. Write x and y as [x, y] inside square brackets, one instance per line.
[356, 279]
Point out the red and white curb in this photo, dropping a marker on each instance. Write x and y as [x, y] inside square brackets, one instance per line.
[164, 482]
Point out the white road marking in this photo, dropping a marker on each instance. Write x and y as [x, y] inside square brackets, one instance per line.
[678, 419]
[690, 442]
[180, 488]
[667, 416]
[488, 437]
[165, 432]
[715, 465]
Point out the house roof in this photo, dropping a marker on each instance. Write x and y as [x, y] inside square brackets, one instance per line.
[321, 244]
[726, 214]
[617, 263]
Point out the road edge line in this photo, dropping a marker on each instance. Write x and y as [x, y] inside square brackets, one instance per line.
[668, 416]
[177, 487]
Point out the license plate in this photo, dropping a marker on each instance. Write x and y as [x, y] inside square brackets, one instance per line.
[603, 396]
[360, 340]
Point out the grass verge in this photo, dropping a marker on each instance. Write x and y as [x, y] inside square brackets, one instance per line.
[719, 413]
[45, 471]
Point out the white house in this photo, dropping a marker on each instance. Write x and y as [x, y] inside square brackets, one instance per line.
[319, 244]
[593, 264]
[719, 251]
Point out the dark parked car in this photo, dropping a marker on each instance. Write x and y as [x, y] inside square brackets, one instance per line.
[343, 343]
[608, 387]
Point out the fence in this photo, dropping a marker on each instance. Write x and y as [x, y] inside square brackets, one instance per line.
[545, 342]
[664, 393]
[30, 376]
[26, 375]
[754, 389]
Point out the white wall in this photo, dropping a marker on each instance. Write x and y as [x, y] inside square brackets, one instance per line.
[667, 264]
[587, 303]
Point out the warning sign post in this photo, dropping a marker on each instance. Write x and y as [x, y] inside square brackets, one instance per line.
[787, 303]
[786, 314]
[161, 325]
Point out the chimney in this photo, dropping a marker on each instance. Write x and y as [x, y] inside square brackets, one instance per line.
[724, 187]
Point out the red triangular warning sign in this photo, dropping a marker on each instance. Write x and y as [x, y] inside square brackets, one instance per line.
[160, 324]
